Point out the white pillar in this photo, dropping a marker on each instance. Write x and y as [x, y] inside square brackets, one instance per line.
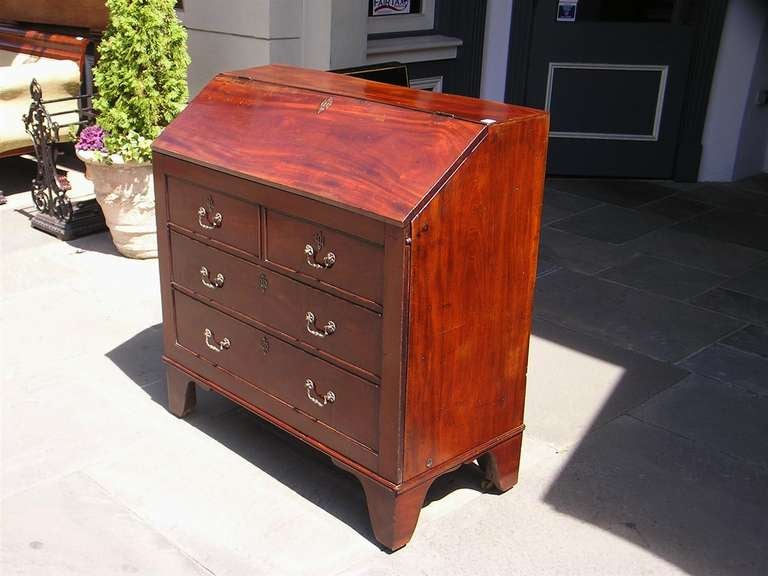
[498, 18]
[732, 99]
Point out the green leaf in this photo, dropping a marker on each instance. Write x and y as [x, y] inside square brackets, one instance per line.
[141, 74]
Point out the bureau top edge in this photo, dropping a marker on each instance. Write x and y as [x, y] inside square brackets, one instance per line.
[278, 187]
[461, 107]
[376, 159]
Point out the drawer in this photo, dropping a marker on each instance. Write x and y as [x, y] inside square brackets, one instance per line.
[280, 302]
[214, 215]
[280, 370]
[346, 262]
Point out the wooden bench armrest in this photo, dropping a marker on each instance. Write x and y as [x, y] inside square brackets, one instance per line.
[44, 44]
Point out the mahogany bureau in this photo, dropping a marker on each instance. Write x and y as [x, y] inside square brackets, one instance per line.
[354, 262]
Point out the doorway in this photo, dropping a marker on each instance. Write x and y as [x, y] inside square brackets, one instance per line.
[625, 82]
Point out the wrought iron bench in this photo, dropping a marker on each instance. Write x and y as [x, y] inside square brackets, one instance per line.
[46, 58]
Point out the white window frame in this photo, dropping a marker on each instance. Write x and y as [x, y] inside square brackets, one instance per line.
[424, 20]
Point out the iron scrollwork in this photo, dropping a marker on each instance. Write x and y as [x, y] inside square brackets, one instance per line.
[49, 190]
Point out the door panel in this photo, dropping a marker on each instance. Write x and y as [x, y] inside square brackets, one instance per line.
[601, 101]
[614, 82]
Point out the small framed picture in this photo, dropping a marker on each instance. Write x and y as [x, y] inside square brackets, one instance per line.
[566, 10]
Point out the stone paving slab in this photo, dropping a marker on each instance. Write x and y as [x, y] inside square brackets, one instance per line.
[691, 505]
[691, 249]
[627, 193]
[594, 379]
[568, 203]
[754, 282]
[58, 425]
[728, 195]
[662, 277]
[520, 532]
[756, 183]
[730, 365]
[545, 266]
[652, 325]
[675, 207]
[240, 494]
[98, 478]
[734, 304]
[735, 226]
[71, 526]
[558, 205]
[235, 507]
[752, 339]
[612, 224]
[722, 415]
[578, 253]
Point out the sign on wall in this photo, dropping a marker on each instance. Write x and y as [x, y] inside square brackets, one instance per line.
[389, 7]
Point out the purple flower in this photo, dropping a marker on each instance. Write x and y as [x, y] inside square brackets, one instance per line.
[92, 138]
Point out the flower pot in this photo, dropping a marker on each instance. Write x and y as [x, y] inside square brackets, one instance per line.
[125, 191]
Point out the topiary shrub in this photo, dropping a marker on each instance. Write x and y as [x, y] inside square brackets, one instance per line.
[140, 76]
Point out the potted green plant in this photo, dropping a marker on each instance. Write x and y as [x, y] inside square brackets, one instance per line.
[141, 84]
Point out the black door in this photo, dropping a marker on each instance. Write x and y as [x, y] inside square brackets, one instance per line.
[613, 80]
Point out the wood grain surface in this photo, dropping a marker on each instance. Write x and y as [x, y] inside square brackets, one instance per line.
[358, 266]
[44, 44]
[471, 109]
[433, 218]
[91, 14]
[375, 159]
[239, 223]
[280, 369]
[275, 300]
[473, 266]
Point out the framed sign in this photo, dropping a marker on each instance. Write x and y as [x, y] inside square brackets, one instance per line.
[395, 16]
[389, 7]
[566, 10]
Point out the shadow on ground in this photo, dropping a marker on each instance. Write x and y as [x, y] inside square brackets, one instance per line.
[303, 469]
[676, 459]
[653, 323]
[99, 242]
[18, 173]
[665, 490]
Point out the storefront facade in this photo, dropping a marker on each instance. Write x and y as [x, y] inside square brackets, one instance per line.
[645, 89]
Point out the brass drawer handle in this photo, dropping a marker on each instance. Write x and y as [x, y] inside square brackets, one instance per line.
[328, 260]
[222, 345]
[327, 330]
[208, 224]
[205, 278]
[327, 398]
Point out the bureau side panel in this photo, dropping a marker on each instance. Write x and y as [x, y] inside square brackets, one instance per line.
[164, 249]
[394, 334]
[473, 266]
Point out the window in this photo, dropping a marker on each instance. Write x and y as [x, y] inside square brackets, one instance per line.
[393, 16]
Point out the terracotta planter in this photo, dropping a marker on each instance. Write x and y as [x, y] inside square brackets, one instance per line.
[126, 194]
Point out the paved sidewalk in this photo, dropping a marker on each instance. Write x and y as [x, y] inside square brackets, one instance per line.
[646, 450]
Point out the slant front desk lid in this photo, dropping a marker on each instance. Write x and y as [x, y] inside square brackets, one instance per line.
[376, 149]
